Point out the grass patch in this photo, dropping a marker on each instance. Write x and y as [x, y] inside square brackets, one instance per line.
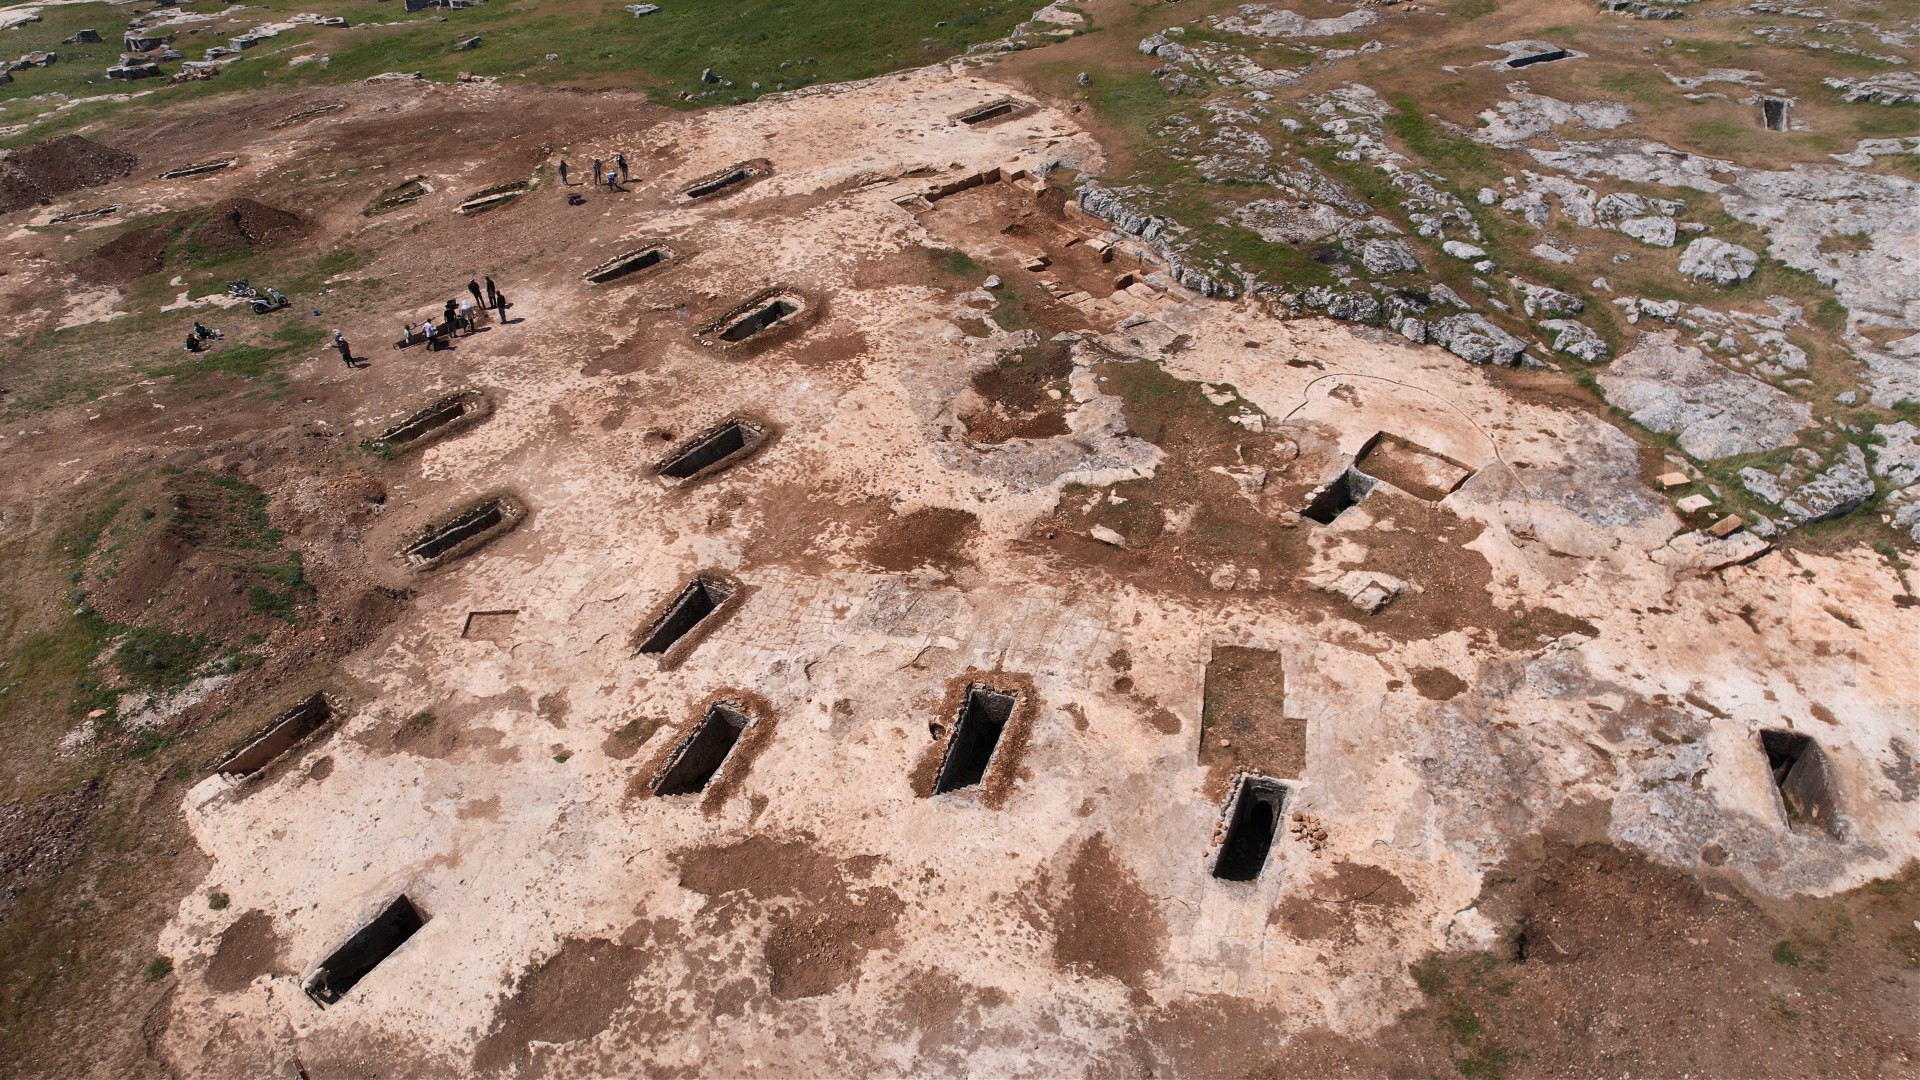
[157, 659]
[157, 968]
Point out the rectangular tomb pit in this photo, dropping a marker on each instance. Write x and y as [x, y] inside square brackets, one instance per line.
[640, 259]
[1253, 819]
[728, 180]
[1338, 496]
[464, 532]
[693, 612]
[720, 447]
[982, 719]
[1800, 774]
[364, 951]
[696, 761]
[436, 420]
[988, 113]
[1412, 468]
[287, 731]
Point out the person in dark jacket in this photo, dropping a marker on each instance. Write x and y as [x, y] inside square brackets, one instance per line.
[620, 162]
[491, 292]
[346, 350]
[563, 172]
[474, 288]
[500, 304]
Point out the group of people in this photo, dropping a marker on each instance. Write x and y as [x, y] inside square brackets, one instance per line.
[459, 314]
[613, 177]
[198, 337]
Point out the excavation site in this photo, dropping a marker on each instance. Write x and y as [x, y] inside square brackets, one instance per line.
[779, 538]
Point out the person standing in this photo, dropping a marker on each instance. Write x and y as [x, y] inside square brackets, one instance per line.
[467, 313]
[563, 172]
[500, 304]
[596, 172]
[426, 331]
[346, 350]
[620, 162]
[474, 288]
[491, 293]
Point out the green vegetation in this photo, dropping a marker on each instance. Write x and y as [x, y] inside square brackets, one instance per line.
[158, 660]
[157, 968]
[775, 43]
[1477, 1053]
[218, 901]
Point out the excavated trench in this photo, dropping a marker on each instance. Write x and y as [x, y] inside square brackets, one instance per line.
[976, 734]
[364, 951]
[1799, 769]
[712, 451]
[1339, 496]
[464, 532]
[700, 757]
[288, 730]
[695, 603]
[1258, 805]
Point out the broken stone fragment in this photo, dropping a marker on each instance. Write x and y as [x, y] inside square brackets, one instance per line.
[1552, 254]
[1717, 261]
[1475, 340]
[1462, 250]
[1725, 527]
[1367, 590]
[1841, 489]
[1107, 536]
[1577, 340]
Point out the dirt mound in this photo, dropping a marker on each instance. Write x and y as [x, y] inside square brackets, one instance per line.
[243, 223]
[196, 554]
[128, 256]
[248, 949]
[35, 174]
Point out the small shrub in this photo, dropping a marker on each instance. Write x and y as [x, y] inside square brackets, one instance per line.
[218, 900]
[157, 968]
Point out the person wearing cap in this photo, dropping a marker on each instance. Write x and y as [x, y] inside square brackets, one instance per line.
[346, 350]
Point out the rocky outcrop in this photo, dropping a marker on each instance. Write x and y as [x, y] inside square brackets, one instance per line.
[1707, 259]
[1715, 411]
[1807, 492]
[1577, 340]
[1107, 206]
[1473, 339]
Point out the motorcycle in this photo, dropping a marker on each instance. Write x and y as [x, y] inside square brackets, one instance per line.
[261, 302]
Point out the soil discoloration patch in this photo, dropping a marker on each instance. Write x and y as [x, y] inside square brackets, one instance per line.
[570, 996]
[1335, 907]
[936, 537]
[1438, 684]
[824, 921]
[248, 949]
[1105, 924]
[1242, 726]
[238, 224]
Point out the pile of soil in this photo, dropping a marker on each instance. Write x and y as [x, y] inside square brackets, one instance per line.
[32, 176]
[128, 256]
[243, 223]
[1015, 392]
[936, 537]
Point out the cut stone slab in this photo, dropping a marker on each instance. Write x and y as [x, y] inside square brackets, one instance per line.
[1693, 504]
[1674, 479]
[1725, 527]
[1716, 412]
[1707, 259]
